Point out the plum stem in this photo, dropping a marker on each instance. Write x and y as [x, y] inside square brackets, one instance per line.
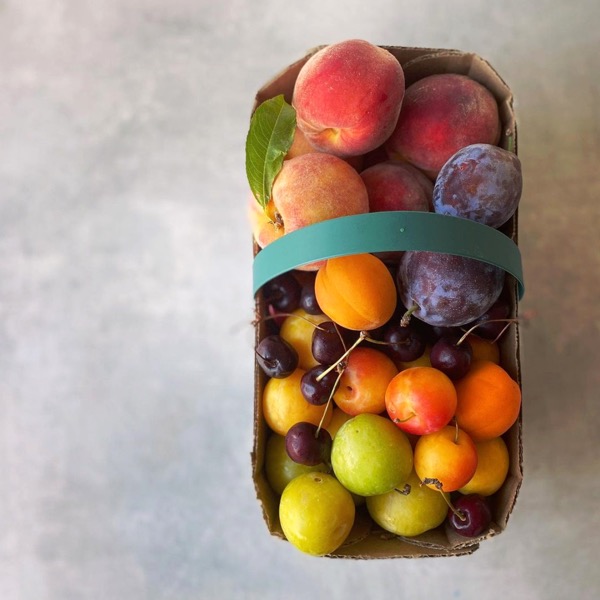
[405, 320]
[405, 491]
[411, 416]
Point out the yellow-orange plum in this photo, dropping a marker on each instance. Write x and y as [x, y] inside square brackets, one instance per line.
[420, 400]
[364, 381]
[447, 457]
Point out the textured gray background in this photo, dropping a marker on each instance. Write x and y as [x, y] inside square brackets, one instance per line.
[125, 301]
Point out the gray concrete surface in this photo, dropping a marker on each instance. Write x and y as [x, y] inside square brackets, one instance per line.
[125, 301]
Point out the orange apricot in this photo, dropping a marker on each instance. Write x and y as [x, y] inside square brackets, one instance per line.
[489, 401]
[356, 291]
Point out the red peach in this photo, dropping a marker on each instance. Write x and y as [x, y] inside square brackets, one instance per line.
[348, 97]
[397, 186]
[440, 115]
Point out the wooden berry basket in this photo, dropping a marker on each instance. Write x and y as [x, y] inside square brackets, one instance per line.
[367, 540]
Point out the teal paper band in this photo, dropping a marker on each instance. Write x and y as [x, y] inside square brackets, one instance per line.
[388, 232]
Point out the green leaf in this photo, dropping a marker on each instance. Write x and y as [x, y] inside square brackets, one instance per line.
[269, 138]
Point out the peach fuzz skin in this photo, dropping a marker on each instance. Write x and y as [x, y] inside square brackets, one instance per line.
[348, 97]
[397, 186]
[441, 114]
[309, 189]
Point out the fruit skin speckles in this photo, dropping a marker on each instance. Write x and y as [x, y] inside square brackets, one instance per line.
[480, 182]
[447, 290]
[316, 513]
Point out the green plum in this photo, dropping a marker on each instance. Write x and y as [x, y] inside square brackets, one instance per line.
[280, 469]
[316, 513]
[370, 455]
[409, 514]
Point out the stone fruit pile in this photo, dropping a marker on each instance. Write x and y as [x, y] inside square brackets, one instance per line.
[385, 389]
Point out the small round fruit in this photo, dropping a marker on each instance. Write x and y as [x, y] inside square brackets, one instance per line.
[318, 391]
[280, 469]
[484, 349]
[480, 182]
[284, 405]
[421, 510]
[330, 342]
[423, 361]
[356, 291]
[489, 401]
[276, 357]
[316, 513]
[446, 458]
[370, 455]
[492, 468]
[491, 324]
[282, 293]
[364, 381]
[308, 445]
[445, 289]
[297, 329]
[405, 343]
[308, 300]
[420, 400]
[476, 515]
[450, 358]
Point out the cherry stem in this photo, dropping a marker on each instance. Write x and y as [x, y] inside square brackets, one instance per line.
[439, 486]
[457, 512]
[361, 337]
[472, 329]
[405, 320]
[333, 389]
[501, 333]
[282, 314]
